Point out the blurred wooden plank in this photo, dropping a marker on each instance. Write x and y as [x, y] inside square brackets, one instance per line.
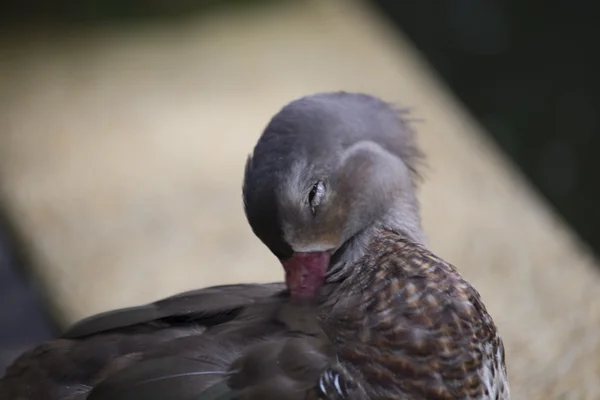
[121, 157]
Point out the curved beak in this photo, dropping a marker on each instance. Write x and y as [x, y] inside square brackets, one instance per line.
[305, 273]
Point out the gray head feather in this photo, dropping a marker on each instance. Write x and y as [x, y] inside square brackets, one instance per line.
[354, 153]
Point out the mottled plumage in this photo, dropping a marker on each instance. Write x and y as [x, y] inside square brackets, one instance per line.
[366, 311]
[406, 325]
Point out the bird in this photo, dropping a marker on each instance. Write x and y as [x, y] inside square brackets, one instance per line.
[365, 310]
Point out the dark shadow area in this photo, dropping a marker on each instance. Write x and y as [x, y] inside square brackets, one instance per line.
[528, 71]
[37, 14]
[24, 320]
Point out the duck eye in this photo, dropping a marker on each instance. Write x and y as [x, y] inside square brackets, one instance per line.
[315, 196]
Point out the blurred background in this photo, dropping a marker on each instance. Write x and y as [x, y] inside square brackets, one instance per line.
[124, 126]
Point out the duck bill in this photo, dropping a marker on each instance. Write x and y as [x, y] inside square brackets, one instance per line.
[305, 273]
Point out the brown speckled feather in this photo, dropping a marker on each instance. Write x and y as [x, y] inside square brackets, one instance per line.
[408, 326]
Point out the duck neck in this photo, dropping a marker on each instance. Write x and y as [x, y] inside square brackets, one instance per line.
[403, 219]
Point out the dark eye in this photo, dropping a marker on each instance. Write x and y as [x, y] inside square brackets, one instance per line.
[315, 196]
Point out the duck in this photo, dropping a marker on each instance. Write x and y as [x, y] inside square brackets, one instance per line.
[365, 310]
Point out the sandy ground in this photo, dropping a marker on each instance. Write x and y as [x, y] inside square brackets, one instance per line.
[122, 150]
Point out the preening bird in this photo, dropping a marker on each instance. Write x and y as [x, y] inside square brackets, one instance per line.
[367, 311]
